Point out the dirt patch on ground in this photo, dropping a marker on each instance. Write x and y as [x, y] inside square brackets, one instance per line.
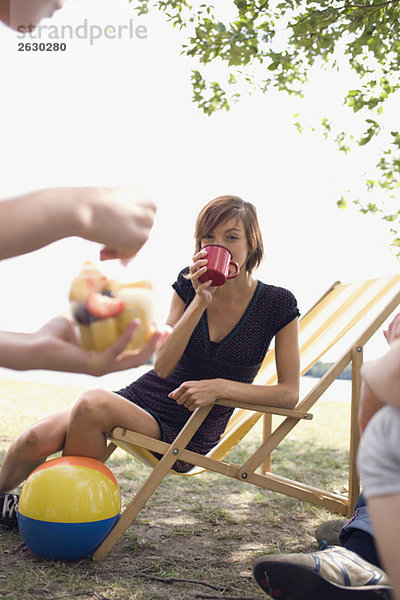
[196, 538]
[207, 529]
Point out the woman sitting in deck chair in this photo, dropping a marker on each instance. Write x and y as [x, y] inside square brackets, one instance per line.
[218, 337]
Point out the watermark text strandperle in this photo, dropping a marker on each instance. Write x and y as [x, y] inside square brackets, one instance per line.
[84, 31]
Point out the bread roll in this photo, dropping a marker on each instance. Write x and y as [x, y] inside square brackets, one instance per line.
[103, 308]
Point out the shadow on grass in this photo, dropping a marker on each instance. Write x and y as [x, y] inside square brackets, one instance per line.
[308, 461]
[207, 528]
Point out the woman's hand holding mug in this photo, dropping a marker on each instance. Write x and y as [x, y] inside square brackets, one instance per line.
[211, 268]
[197, 269]
[220, 265]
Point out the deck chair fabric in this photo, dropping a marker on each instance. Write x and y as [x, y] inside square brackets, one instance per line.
[345, 317]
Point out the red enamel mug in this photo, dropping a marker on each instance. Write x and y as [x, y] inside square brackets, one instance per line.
[219, 265]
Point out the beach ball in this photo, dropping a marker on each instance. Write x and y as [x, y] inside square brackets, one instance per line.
[67, 507]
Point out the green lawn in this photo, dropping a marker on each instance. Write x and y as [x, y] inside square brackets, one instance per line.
[198, 530]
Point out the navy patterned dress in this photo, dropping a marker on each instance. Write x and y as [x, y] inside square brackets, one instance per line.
[237, 357]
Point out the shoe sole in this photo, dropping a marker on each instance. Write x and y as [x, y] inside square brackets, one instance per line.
[288, 581]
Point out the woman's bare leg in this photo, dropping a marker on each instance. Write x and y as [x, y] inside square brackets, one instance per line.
[81, 430]
[95, 414]
[32, 448]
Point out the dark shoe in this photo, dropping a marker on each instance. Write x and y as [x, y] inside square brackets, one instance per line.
[9, 510]
[327, 534]
[333, 574]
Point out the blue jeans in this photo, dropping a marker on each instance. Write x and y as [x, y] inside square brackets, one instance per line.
[358, 536]
[360, 520]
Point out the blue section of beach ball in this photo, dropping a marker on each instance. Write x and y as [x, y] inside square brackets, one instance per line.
[63, 541]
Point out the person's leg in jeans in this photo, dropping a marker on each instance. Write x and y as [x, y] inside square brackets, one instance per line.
[357, 534]
[347, 571]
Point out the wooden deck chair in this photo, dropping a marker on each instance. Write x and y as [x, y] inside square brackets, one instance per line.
[339, 316]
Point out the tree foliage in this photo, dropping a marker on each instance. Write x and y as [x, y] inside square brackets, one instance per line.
[277, 44]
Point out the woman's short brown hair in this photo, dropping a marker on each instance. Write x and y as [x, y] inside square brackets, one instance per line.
[224, 208]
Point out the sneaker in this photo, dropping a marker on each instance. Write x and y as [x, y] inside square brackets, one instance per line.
[333, 574]
[327, 534]
[9, 510]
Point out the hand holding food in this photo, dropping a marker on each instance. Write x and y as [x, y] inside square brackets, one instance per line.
[104, 307]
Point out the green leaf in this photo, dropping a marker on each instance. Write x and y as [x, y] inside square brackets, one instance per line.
[278, 46]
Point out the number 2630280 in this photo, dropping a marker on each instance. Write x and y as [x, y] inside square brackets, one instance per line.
[42, 47]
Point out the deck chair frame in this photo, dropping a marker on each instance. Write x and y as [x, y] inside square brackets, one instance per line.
[262, 456]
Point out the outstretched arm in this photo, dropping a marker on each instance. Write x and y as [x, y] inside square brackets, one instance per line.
[118, 218]
[54, 347]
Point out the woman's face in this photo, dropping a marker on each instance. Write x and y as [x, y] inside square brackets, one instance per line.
[21, 15]
[232, 235]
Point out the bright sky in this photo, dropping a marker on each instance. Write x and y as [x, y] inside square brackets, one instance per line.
[119, 112]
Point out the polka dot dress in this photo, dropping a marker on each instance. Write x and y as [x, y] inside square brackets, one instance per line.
[237, 357]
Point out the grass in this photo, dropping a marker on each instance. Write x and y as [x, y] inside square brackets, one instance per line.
[205, 529]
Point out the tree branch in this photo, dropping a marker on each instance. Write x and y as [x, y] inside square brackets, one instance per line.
[345, 7]
[176, 580]
[373, 5]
